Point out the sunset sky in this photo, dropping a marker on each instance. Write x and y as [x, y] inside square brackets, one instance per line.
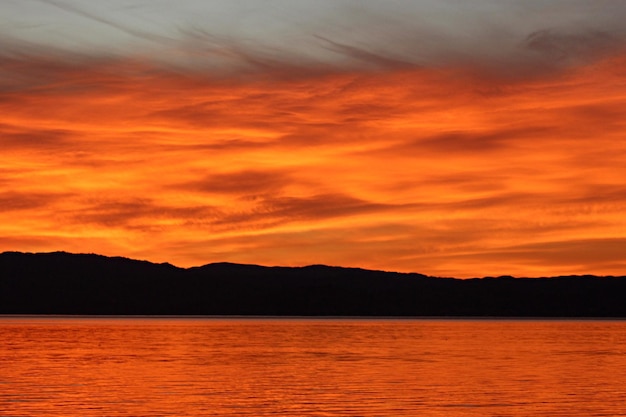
[447, 137]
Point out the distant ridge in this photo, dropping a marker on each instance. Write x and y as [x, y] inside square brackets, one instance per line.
[65, 283]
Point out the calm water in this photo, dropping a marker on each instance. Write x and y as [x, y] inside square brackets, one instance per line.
[229, 367]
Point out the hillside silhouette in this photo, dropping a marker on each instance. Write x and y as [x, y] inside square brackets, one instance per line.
[64, 283]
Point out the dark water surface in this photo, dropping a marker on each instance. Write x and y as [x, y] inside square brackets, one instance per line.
[290, 367]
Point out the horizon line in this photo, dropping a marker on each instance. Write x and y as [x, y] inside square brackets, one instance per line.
[503, 276]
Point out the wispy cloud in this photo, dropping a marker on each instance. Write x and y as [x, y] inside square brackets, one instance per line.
[438, 146]
[249, 183]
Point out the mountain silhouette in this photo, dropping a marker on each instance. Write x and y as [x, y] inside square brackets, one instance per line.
[64, 283]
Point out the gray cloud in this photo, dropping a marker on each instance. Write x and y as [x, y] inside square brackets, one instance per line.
[296, 38]
[377, 60]
[73, 7]
[581, 45]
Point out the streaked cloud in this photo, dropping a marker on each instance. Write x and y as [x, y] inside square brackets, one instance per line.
[428, 136]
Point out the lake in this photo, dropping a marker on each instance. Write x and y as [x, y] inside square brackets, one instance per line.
[311, 367]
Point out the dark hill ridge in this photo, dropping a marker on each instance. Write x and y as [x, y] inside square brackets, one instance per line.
[63, 283]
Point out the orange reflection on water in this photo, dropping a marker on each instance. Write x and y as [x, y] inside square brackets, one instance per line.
[130, 367]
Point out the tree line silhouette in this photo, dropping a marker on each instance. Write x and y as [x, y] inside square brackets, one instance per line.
[85, 284]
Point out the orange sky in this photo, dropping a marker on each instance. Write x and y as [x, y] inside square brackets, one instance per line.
[448, 170]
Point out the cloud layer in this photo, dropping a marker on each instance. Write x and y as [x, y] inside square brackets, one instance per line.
[427, 143]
